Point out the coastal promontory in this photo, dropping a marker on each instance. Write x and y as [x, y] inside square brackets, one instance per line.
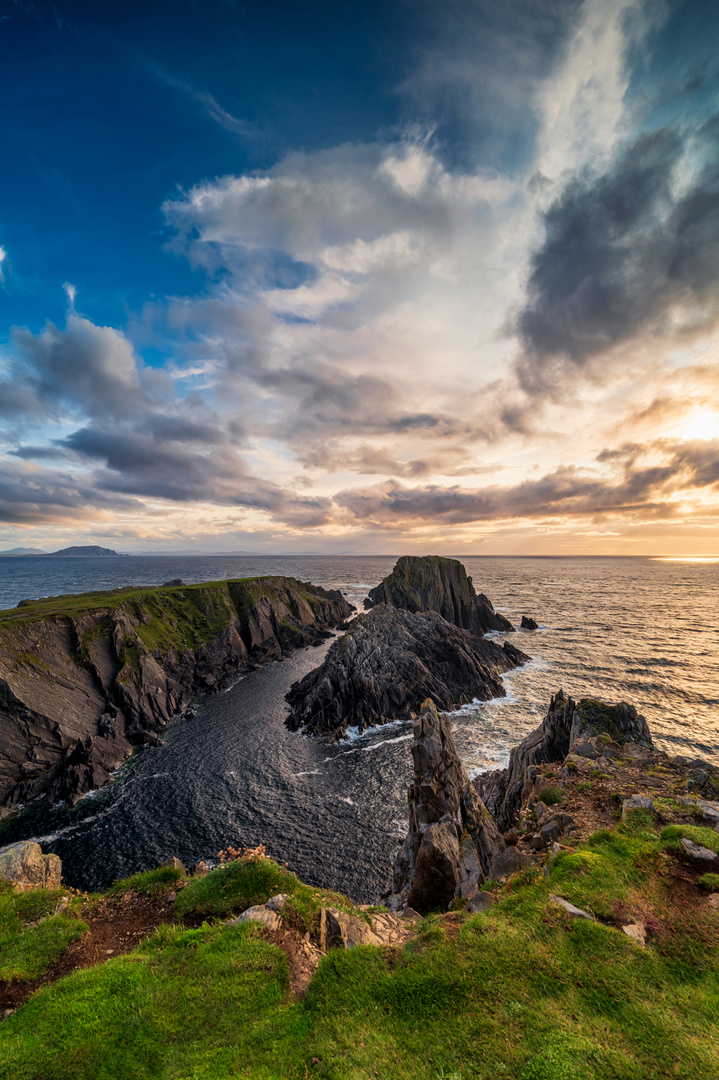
[84, 679]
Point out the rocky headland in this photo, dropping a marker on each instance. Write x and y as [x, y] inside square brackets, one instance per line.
[385, 666]
[434, 583]
[421, 638]
[85, 679]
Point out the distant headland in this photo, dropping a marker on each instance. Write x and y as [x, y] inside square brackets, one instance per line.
[84, 551]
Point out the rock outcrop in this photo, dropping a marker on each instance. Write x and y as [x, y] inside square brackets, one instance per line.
[568, 728]
[84, 679]
[25, 865]
[528, 623]
[388, 662]
[433, 583]
[452, 839]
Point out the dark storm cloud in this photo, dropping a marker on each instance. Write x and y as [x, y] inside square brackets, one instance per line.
[625, 256]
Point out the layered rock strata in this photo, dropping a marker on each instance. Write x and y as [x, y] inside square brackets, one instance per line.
[452, 840]
[84, 679]
[388, 662]
[433, 583]
[568, 728]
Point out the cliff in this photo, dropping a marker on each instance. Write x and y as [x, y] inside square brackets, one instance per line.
[433, 583]
[388, 662]
[84, 679]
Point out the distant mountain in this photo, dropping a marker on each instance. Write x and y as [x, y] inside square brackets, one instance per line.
[23, 551]
[91, 550]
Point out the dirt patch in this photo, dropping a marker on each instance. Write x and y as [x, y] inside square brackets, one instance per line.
[302, 957]
[117, 924]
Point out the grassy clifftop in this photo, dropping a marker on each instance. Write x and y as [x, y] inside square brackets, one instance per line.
[521, 991]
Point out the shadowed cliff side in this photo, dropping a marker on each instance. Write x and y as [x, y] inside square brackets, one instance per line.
[85, 678]
[433, 583]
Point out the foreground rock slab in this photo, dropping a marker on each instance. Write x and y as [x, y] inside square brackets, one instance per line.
[452, 839]
[25, 865]
[388, 663]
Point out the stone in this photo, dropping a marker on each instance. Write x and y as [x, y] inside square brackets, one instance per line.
[566, 725]
[434, 583]
[342, 931]
[506, 863]
[481, 901]
[387, 664]
[175, 864]
[550, 831]
[696, 851]
[709, 810]
[528, 623]
[636, 802]
[713, 900]
[259, 914]
[537, 842]
[540, 810]
[584, 748]
[410, 913]
[452, 838]
[24, 864]
[387, 927]
[637, 932]
[277, 903]
[570, 908]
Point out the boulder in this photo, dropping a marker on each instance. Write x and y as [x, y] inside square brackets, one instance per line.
[452, 838]
[338, 930]
[696, 851]
[528, 623]
[24, 864]
[636, 802]
[636, 932]
[506, 863]
[259, 914]
[176, 864]
[388, 663]
[433, 583]
[481, 901]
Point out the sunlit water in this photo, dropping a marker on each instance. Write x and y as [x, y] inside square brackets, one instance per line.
[638, 630]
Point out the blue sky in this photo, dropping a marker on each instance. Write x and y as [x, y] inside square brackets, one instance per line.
[360, 277]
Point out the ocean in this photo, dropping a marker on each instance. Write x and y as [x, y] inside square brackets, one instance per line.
[639, 630]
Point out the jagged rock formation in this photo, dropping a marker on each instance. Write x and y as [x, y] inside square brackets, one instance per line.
[84, 679]
[528, 623]
[567, 728]
[452, 839]
[433, 583]
[388, 662]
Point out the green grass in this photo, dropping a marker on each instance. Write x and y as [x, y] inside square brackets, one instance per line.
[519, 992]
[149, 882]
[710, 882]
[240, 884]
[28, 951]
[673, 834]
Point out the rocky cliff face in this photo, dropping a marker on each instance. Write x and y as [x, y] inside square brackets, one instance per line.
[432, 583]
[569, 727]
[452, 839]
[388, 662]
[84, 679]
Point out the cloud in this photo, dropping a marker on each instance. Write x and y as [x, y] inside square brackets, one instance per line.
[627, 254]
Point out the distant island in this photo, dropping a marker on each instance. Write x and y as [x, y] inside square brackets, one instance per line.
[90, 550]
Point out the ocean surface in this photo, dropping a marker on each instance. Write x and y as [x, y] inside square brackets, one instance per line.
[634, 629]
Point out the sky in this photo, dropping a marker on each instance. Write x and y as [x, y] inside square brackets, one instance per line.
[374, 277]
